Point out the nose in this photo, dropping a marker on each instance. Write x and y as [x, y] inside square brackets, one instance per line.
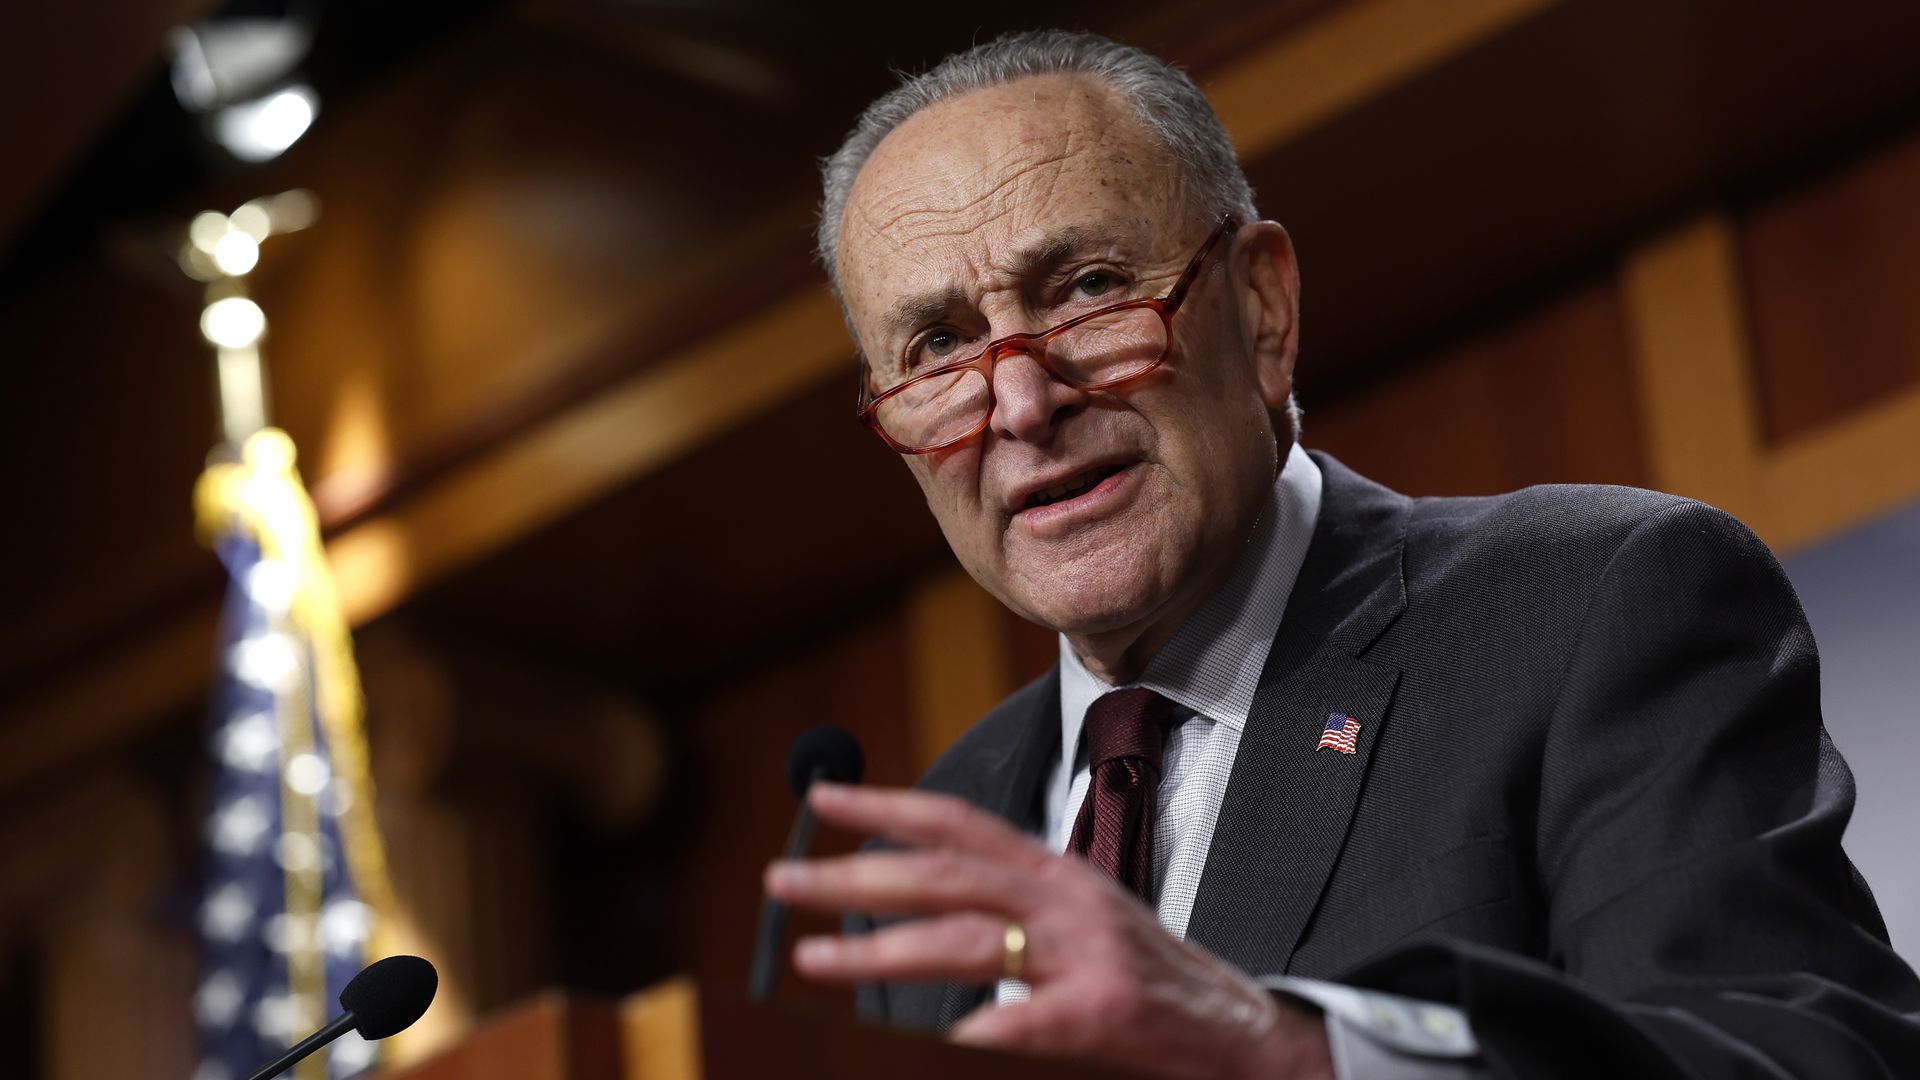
[1028, 402]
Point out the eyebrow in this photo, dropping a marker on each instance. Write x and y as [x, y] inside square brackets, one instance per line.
[1035, 260]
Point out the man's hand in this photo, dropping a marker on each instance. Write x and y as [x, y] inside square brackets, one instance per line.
[1109, 984]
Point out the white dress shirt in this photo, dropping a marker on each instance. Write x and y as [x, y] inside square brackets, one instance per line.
[1211, 669]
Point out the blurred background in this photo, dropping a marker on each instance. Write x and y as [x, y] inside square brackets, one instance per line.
[575, 413]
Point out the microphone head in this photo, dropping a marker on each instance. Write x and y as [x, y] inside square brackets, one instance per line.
[389, 994]
[825, 753]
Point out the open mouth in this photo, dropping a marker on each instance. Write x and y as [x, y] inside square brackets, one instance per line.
[1073, 488]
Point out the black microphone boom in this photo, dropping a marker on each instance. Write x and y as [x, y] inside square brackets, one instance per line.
[386, 997]
[825, 753]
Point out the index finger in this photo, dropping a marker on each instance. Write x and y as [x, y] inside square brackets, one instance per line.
[922, 819]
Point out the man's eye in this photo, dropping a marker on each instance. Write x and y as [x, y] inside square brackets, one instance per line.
[935, 348]
[1095, 284]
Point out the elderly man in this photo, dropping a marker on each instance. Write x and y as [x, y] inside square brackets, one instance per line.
[1550, 765]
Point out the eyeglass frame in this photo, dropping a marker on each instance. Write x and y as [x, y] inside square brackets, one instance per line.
[1035, 346]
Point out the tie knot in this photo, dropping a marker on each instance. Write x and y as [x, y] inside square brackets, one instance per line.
[1130, 723]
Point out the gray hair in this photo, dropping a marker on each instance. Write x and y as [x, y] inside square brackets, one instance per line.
[1162, 96]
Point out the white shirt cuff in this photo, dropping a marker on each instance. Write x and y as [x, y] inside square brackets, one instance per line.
[1377, 1036]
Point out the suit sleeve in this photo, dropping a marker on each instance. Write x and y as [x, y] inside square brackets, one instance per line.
[1704, 921]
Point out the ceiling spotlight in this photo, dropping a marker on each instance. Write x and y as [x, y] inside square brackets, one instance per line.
[241, 75]
[262, 129]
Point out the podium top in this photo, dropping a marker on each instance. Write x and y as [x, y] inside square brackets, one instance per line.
[673, 1032]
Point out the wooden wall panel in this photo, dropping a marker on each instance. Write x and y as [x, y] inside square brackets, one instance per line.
[960, 659]
[1832, 273]
[1545, 399]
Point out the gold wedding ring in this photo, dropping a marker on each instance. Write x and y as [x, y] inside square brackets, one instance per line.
[1014, 965]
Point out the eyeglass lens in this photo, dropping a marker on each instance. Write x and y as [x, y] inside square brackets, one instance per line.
[1104, 349]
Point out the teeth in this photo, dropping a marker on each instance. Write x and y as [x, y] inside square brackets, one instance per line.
[1055, 493]
[1072, 487]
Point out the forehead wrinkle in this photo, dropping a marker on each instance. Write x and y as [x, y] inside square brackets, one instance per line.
[906, 224]
[1027, 170]
[901, 235]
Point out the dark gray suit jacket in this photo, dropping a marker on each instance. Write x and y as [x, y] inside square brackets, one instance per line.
[1592, 802]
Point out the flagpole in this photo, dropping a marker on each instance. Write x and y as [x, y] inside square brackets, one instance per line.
[252, 491]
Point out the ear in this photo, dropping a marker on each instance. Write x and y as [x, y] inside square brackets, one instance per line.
[1269, 281]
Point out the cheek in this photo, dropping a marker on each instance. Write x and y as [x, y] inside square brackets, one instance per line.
[1222, 406]
[1212, 431]
[948, 476]
[951, 483]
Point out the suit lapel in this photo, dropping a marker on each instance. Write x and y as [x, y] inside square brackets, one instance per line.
[1288, 805]
[1000, 766]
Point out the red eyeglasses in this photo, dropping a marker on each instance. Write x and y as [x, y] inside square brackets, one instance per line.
[1097, 351]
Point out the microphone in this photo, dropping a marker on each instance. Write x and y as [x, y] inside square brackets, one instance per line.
[384, 998]
[825, 753]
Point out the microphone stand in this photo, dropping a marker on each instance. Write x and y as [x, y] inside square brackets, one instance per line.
[773, 913]
[340, 1026]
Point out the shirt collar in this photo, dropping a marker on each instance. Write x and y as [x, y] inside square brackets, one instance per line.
[1212, 664]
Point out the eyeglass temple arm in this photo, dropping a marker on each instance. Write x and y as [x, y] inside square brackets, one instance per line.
[864, 392]
[1179, 290]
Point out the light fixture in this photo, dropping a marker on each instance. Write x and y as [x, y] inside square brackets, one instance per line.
[233, 323]
[262, 129]
[240, 74]
[236, 253]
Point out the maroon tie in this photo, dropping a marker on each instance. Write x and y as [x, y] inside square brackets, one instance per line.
[1126, 736]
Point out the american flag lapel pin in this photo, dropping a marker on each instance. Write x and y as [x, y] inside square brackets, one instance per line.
[1340, 733]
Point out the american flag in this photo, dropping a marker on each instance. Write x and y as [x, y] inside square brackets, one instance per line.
[1340, 733]
[281, 923]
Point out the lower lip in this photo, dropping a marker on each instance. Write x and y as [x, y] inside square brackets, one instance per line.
[1097, 501]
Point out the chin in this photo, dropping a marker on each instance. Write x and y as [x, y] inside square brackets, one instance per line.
[1093, 594]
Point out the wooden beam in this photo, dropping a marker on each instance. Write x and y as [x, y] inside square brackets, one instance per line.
[580, 455]
[1695, 374]
[1693, 368]
[1340, 60]
[1846, 474]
